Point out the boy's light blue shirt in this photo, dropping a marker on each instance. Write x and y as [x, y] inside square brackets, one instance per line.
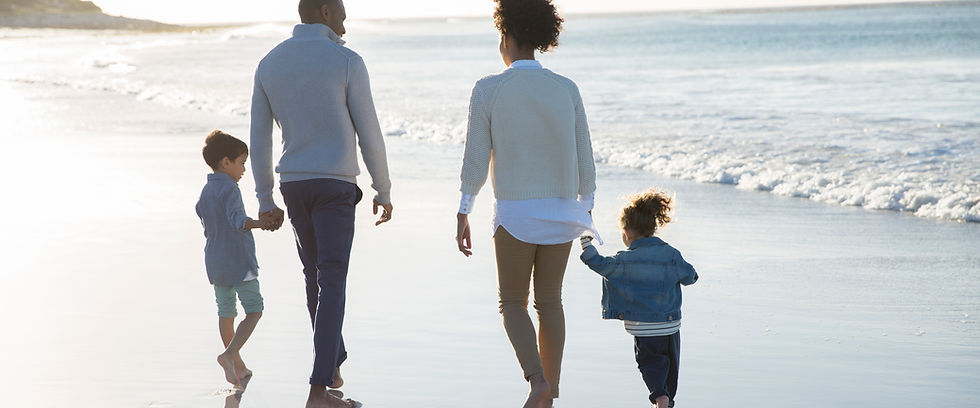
[642, 283]
[229, 253]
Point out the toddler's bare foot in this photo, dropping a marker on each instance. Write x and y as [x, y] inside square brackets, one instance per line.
[338, 381]
[227, 363]
[539, 391]
[662, 401]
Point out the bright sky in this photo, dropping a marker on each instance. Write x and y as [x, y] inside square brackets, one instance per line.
[214, 11]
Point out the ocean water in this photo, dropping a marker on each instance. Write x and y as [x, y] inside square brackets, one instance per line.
[800, 303]
[876, 107]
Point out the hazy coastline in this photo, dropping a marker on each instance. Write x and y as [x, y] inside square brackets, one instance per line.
[70, 14]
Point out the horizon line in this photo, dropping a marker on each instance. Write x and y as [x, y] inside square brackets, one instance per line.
[726, 10]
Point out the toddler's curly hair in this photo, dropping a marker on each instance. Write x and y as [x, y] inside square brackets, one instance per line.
[532, 23]
[646, 212]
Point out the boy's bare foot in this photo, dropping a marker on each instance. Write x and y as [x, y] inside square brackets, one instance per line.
[227, 363]
[320, 398]
[548, 403]
[338, 381]
[662, 401]
[540, 390]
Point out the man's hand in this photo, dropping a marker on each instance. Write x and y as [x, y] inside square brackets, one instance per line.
[385, 214]
[272, 219]
[463, 234]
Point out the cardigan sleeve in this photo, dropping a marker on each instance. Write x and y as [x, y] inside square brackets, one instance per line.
[583, 146]
[476, 154]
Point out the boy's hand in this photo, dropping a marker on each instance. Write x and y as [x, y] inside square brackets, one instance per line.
[586, 241]
[272, 219]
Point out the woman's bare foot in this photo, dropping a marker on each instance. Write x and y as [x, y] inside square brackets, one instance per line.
[540, 390]
[338, 381]
[227, 363]
[662, 401]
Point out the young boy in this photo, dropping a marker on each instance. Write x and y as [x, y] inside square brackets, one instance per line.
[642, 287]
[229, 254]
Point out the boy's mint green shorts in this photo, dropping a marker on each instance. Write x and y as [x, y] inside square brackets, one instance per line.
[248, 294]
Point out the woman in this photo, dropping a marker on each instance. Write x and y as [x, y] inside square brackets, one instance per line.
[529, 123]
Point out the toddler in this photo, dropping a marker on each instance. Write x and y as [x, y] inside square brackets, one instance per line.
[642, 287]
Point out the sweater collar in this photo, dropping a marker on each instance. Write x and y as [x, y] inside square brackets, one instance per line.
[526, 64]
[645, 242]
[315, 30]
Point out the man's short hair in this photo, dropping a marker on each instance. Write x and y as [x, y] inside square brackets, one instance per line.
[219, 145]
[309, 10]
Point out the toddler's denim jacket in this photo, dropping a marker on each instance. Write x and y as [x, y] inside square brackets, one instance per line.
[642, 283]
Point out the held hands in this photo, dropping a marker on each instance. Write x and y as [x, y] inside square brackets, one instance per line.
[271, 220]
[385, 213]
[463, 234]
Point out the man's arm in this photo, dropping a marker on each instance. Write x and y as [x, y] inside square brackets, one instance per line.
[260, 147]
[369, 137]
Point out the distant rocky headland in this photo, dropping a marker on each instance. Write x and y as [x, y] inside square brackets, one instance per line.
[72, 14]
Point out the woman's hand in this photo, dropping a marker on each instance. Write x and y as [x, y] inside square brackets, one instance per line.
[463, 234]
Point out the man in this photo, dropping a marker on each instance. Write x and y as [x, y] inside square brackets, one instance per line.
[319, 94]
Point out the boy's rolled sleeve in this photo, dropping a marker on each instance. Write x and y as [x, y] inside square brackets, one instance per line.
[235, 208]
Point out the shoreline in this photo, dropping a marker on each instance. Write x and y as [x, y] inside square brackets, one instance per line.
[86, 21]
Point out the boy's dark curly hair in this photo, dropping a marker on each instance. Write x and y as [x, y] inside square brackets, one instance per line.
[646, 212]
[531, 23]
[219, 145]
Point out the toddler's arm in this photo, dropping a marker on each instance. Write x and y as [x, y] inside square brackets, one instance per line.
[603, 265]
[688, 274]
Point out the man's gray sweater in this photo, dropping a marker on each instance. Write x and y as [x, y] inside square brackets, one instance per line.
[318, 92]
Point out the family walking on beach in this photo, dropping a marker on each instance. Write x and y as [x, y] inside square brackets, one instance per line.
[527, 130]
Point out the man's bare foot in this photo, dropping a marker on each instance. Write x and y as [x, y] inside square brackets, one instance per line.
[662, 401]
[320, 398]
[227, 363]
[540, 390]
[243, 373]
[338, 381]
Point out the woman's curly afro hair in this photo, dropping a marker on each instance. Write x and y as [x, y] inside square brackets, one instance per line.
[531, 23]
